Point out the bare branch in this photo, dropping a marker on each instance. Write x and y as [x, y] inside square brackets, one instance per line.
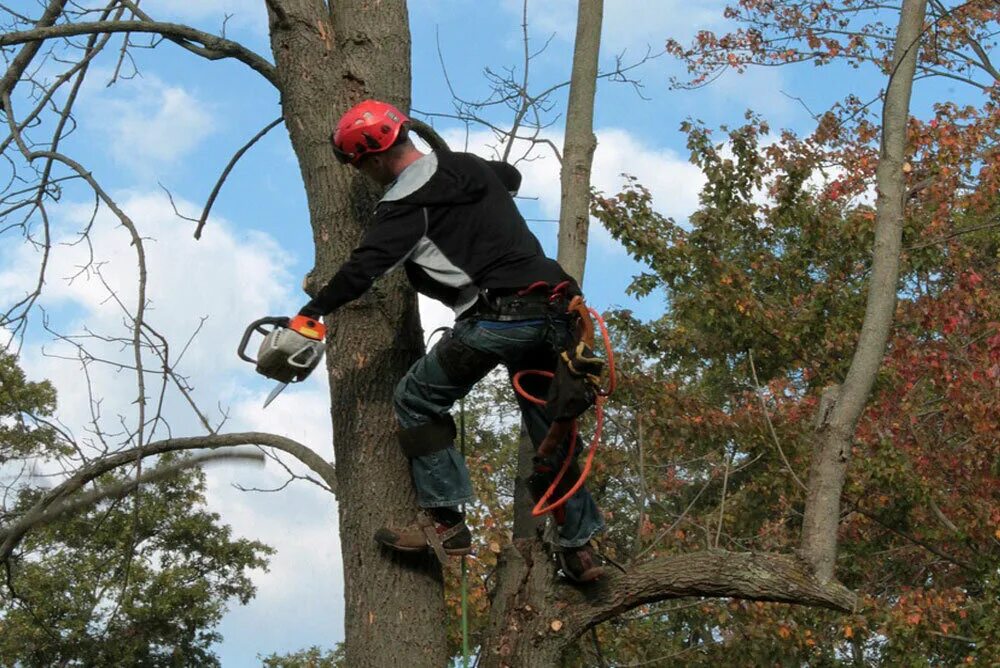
[225, 174]
[770, 425]
[215, 48]
[27, 54]
[120, 489]
[14, 533]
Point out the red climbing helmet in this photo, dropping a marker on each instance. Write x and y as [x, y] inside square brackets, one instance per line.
[367, 127]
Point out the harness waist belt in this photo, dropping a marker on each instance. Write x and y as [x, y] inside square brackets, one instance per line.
[510, 307]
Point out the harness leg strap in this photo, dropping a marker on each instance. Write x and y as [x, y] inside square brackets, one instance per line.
[426, 439]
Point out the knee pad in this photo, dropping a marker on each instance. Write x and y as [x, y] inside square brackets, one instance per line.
[428, 438]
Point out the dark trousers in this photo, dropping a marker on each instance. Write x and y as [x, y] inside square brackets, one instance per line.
[449, 371]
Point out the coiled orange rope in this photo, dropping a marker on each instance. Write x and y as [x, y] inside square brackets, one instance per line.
[602, 394]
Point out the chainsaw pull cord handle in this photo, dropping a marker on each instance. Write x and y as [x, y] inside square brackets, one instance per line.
[602, 395]
[258, 327]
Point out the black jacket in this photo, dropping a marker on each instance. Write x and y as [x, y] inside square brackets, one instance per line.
[450, 221]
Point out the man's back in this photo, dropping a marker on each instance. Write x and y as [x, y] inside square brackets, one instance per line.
[474, 237]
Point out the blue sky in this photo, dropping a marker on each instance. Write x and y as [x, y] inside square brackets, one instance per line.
[177, 123]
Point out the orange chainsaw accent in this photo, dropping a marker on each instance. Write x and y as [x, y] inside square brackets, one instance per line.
[308, 327]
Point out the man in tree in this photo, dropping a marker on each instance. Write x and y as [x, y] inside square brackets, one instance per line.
[450, 221]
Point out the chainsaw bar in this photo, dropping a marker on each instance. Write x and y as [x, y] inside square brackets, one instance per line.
[278, 389]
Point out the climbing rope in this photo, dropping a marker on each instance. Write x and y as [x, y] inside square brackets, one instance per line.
[465, 568]
[602, 394]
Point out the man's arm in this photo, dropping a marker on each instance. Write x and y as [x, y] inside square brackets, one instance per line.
[386, 245]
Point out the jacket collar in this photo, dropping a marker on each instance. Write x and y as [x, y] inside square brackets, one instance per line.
[412, 179]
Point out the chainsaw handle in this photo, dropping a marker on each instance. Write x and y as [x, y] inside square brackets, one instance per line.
[258, 327]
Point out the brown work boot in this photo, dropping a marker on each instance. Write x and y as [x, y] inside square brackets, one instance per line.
[426, 533]
[579, 564]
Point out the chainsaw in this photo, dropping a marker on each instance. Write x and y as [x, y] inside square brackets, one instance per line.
[291, 349]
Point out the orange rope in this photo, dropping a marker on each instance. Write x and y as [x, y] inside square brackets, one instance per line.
[602, 395]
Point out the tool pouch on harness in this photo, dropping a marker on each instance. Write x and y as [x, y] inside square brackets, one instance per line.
[573, 389]
[578, 372]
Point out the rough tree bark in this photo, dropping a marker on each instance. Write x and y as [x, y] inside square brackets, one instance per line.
[580, 142]
[328, 59]
[829, 462]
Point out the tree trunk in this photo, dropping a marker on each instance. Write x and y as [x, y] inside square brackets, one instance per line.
[829, 463]
[328, 60]
[580, 142]
[574, 218]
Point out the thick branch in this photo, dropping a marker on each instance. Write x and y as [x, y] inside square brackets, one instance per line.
[14, 533]
[746, 575]
[535, 617]
[224, 48]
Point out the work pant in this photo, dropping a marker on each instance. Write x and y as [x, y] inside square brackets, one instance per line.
[448, 372]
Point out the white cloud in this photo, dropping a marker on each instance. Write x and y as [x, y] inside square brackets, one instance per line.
[672, 180]
[148, 123]
[228, 278]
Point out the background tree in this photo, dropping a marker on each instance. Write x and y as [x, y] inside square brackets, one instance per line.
[101, 586]
[783, 308]
[580, 141]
